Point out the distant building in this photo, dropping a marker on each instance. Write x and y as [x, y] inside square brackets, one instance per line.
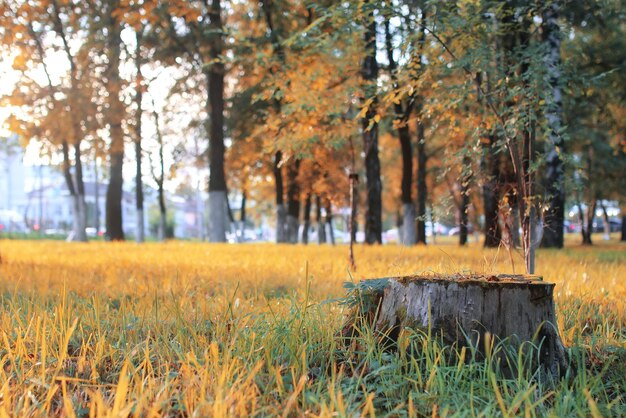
[50, 206]
[12, 195]
[36, 198]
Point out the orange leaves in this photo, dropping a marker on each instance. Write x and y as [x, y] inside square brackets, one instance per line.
[184, 10]
[20, 63]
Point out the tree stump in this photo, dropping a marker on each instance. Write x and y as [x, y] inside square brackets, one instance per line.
[462, 310]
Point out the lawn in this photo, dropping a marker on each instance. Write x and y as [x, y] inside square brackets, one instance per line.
[197, 329]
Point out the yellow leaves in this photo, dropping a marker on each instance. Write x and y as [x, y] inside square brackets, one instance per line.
[365, 108]
[20, 63]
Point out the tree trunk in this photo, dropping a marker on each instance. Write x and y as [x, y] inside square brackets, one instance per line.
[97, 196]
[465, 201]
[242, 217]
[139, 232]
[307, 219]
[422, 192]
[81, 233]
[369, 126]
[69, 181]
[79, 205]
[162, 233]
[554, 175]
[160, 182]
[329, 222]
[293, 202]
[587, 227]
[281, 213]
[623, 237]
[463, 217]
[490, 195]
[218, 215]
[354, 178]
[465, 310]
[407, 231]
[605, 222]
[321, 230]
[115, 115]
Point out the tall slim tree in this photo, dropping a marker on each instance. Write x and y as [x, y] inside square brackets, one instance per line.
[401, 114]
[114, 117]
[215, 74]
[554, 172]
[139, 232]
[75, 108]
[369, 131]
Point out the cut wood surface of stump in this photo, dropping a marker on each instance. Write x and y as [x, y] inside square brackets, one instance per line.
[463, 309]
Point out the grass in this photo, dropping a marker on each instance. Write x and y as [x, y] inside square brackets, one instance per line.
[117, 329]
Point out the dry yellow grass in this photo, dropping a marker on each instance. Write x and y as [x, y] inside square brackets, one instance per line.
[188, 328]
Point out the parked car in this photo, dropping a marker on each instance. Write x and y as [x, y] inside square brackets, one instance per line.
[12, 221]
[457, 230]
[438, 228]
[614, 224]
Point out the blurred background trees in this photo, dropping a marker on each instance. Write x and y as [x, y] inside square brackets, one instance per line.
[503, 117]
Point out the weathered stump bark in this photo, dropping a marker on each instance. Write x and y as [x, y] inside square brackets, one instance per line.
[463, 310]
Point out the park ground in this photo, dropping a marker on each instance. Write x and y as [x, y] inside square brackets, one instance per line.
[181, 328]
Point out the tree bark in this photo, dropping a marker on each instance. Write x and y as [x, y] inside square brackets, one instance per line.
[463, 215]
[329, 222]
[281, 213]
[293, 201]
[218, 215]
[554, 176]
[307, 219]
[115, 115]
[587, 224]
[465, 201]
[490, 197]
[242, 216]
[422, 191]
[321, 230]
[81, 233]
[160, 179]
[369, 126]
[465, 310]
[408, 208]
[162, 232]
[78, 197]
[139, 232]
[606, 224]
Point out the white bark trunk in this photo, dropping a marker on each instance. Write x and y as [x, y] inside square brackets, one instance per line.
[321, 231]
[408, 224]
[218, 216]
[292, 229]
[281, 222]
[162, 226]
[81, 233]
[140, 231]
[79, 220]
